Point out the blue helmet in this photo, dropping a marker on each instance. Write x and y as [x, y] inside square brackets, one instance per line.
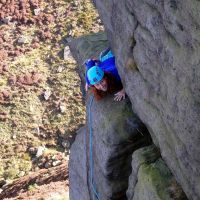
[95, 74]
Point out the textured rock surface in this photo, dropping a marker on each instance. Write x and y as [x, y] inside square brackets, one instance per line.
[78, 168]
[146, 155]
[151, 179]
[117, 133]
[158, 54]
[155, 182]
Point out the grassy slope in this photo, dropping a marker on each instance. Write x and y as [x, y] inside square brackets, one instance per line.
[30, 119]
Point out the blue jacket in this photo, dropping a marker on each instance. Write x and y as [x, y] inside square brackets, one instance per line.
[106, 63]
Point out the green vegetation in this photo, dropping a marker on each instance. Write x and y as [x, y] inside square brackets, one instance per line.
[32, 187]
[30, 120]
[155, 179]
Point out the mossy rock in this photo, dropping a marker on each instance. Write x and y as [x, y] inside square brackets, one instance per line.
[155, 182]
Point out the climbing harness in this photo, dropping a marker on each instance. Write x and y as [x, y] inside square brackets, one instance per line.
[91, 152]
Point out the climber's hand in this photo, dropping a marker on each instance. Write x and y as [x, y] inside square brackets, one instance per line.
[120, 95]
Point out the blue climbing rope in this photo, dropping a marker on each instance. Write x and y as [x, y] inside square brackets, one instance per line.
[91, 152]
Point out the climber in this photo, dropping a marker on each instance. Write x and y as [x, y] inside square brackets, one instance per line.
[103, 78]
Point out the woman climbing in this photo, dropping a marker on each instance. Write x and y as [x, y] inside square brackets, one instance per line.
[103, 78]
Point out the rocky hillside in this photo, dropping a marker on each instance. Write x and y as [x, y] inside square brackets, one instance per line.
[41, 103]
[156, 44]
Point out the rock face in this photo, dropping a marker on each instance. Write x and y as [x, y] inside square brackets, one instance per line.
[157, 46]
[151, 179]
[117, 133]
[119, 169]
[78, 168]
